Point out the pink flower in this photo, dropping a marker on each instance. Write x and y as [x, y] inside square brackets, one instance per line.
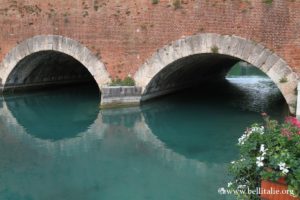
[293, 120]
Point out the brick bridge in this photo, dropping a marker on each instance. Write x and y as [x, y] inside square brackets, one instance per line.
[164, 46]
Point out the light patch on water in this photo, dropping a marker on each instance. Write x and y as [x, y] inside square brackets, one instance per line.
[256, 93]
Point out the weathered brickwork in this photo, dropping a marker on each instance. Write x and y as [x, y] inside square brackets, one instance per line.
[116, 38]
[123, 34]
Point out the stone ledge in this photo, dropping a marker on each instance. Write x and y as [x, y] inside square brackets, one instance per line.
[120, 96]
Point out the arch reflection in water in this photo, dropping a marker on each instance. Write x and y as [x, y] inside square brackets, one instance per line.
[202, 123]
[56, 114]
[175, 148]
[119, 158]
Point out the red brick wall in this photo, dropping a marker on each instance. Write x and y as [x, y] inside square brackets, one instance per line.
[124, 33]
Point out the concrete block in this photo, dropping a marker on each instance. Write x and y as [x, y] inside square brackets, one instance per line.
[120, 96]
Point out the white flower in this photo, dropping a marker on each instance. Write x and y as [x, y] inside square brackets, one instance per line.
[263, 150]
[285, 171]
[259, 161]
[281, 165]
[260, 158]
[242, 139]
[283, 168]
[248, 132]
[259, 164]
[232, 162]
[260, 130]
[229, 184]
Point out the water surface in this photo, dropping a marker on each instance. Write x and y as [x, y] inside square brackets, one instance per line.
[59, 145]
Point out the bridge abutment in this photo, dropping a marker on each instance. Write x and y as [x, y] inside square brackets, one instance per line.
[120, 96]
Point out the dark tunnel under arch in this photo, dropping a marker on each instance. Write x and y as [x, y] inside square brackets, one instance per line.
[204, 57]
[44, 47]
[47, 69]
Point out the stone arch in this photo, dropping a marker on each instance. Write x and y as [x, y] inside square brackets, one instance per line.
[223, 45]
[54, 43]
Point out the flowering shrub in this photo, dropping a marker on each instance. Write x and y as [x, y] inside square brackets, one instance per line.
[269, 151]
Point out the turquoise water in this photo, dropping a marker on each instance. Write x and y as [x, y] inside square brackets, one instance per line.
[59, 145]
[245, 69]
